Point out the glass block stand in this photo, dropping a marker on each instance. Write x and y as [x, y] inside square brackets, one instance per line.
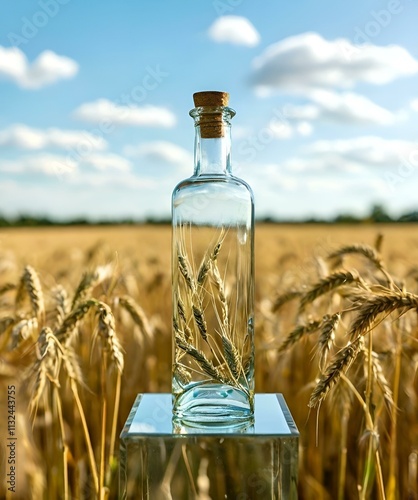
[161, 458]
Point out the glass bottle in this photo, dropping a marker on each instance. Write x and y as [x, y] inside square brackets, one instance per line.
[213, 278]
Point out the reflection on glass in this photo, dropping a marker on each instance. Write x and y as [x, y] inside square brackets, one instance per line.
[162, 458]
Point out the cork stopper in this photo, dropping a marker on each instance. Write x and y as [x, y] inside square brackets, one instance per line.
[210, 98]
[211, 122]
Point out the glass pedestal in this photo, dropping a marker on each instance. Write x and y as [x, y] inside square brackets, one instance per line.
[162, 458]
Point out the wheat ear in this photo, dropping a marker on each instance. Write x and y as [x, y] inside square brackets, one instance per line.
[89, 280]
[182, 314]
[205, 364]
[23, 330]
[5, 323]
[71, 320]
[60, 296]
[138, 316]
[377, 304]
[208, 261]
[46, 366]
[106, 329]
[298, 333]
[331, 282]
[186, 272]
[326, 337]
[31, 283]
[219, 284]
[367, 251]
[343, 360]
[7, 287]
[232, 357]
[283, 299]
[380, 378]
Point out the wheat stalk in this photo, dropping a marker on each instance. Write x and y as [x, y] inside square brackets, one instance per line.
[64, 446]
[20, 294]
[378, 242]
[30, 282]
[182, 314]
[71, 320]
[45, 368]
[60, 296]
[208, 262]
[341, 364]
[72, 368]
[23, 330]
[181, 310]
[203, 272]
[200, 321]
[232, 357]
[5, 323]
[369, 252]
[138, 315]
[329, 325]
[106, 329]
[365, 250]
[222, 297]
[376, 304]
[186, 272]
[284, 298]
[331, 282]
[298, 333]
[205, 364]
[380, 378]
[89, 280]
[7, 287]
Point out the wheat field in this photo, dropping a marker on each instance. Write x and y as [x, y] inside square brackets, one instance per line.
[85, 325]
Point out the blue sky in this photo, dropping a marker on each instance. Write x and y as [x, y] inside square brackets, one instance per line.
[94, 101]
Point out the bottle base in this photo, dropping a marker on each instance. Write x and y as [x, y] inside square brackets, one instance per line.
[213, 404]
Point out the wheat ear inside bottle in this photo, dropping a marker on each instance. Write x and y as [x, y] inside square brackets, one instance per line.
[213, 278]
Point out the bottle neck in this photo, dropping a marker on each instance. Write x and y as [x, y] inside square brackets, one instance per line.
[212, 156]
[213, 140]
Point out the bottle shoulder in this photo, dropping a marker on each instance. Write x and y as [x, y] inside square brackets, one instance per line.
[195, 184]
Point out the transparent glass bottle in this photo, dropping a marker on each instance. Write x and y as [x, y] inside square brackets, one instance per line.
[213, 278]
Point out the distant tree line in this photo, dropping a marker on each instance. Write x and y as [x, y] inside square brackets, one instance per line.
[378, 214]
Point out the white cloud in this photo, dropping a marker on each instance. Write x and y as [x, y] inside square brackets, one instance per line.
[240, 132]
[113, 180]
[346, 108]
[414, 104]
[108, 111]
[272, 177]
[46, 164]
[354, 156]
[236, 30]
[281, 130]
[307, 61]
[46, 69]
[108, 161]
[304, 128]
[24, 137]
[359, 163]
[65, 165]
[161, 152]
